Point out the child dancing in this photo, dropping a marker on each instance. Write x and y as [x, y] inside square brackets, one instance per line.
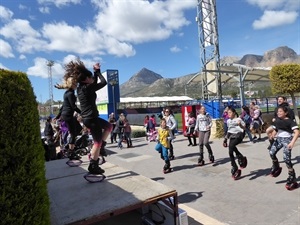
[283, 129]
[235, 134]
[164, 137]
[203, 126]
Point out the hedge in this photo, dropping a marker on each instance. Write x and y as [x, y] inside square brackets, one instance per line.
[23, 192]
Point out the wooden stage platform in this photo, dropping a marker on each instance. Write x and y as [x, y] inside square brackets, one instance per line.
[73, 200]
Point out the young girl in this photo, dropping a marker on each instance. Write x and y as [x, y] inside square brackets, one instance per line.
[256, 123]
[172, 124]
[164, 138]
[127, 132]
[245, 116]
[235, 134]
[284, 127]
[191, 122]
[203, 126]
[86, 92]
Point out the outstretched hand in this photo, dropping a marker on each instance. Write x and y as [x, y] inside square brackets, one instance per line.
[97, 66]
[57, 86]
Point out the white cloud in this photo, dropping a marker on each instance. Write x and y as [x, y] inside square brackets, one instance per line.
[22, 57]
[40, 69]
[274, 19]
[44, 10]
[137, 21]
[3, 67]
[175, 49]
[70, 40]
[5, 13]
[22, 7]
[117, 26]
[6, 50]
[59, 3]
[25, 38]
[276, 4]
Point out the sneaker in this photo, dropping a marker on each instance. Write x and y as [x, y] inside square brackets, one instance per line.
[94, 168]
[74, 156]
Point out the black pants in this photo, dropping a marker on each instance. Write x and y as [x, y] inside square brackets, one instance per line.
[233, 142]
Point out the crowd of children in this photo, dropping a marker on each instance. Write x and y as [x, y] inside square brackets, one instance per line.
[283, 133]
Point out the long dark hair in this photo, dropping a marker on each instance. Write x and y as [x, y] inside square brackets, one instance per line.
[77, 70]
[246, 109]
[233, 110]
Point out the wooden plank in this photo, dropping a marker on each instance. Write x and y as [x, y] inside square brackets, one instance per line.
[76, 201]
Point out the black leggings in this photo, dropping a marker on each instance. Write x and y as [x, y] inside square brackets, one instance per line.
[233, 142]
[72, 125]
[96, 125]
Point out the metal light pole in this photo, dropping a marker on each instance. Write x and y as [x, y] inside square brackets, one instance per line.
[50, 63]
[113, 83]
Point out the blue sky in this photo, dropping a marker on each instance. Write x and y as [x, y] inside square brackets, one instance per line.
[128, 35]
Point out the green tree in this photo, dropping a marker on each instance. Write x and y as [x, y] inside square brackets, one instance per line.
[23, 192]
[285, 80]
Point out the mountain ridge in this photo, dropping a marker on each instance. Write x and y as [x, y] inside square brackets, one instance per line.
[147, 83]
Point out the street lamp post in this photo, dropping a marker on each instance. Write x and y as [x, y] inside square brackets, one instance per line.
[113, 83]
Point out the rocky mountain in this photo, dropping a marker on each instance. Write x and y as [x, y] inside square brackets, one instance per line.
[139, 81]
[147, 83]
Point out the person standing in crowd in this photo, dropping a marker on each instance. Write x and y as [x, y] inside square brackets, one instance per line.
[286, 132]
[235, 134]
[112, 121]
[50, 153]
[191, 123]
[257, 122]
[281, 101]
[66, 113]
[119, 130]
[146, 124]
[245, 116]
[127, 133]
[251, 108]
[225, 118]
[86, 90]
[164, 138]
[203, 127]
[48, 130]
[172, 124]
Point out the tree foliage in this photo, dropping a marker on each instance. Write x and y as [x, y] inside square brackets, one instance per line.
[23, 192]
[285, 78]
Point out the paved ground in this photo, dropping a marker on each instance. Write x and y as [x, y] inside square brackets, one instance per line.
[208, 193]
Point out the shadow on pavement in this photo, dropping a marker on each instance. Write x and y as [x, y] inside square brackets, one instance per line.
[189, 197]
[183, 167]
[257, 173]
[157, 178]
[221, 161]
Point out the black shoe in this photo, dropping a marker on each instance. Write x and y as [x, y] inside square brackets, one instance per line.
[74, 156]
[189, 144]
[94, 168]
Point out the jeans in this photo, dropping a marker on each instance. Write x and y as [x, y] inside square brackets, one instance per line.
[163, 150]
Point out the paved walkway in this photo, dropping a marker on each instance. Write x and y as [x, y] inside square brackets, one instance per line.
[208, 193]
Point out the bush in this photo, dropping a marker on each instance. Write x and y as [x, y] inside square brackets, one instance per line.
[23, 195]
[219, 128]
[138, 133]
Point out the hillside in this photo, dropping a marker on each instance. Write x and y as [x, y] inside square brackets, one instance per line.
[147, 83]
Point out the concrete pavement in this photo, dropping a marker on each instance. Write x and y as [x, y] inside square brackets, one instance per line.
[208, 193]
